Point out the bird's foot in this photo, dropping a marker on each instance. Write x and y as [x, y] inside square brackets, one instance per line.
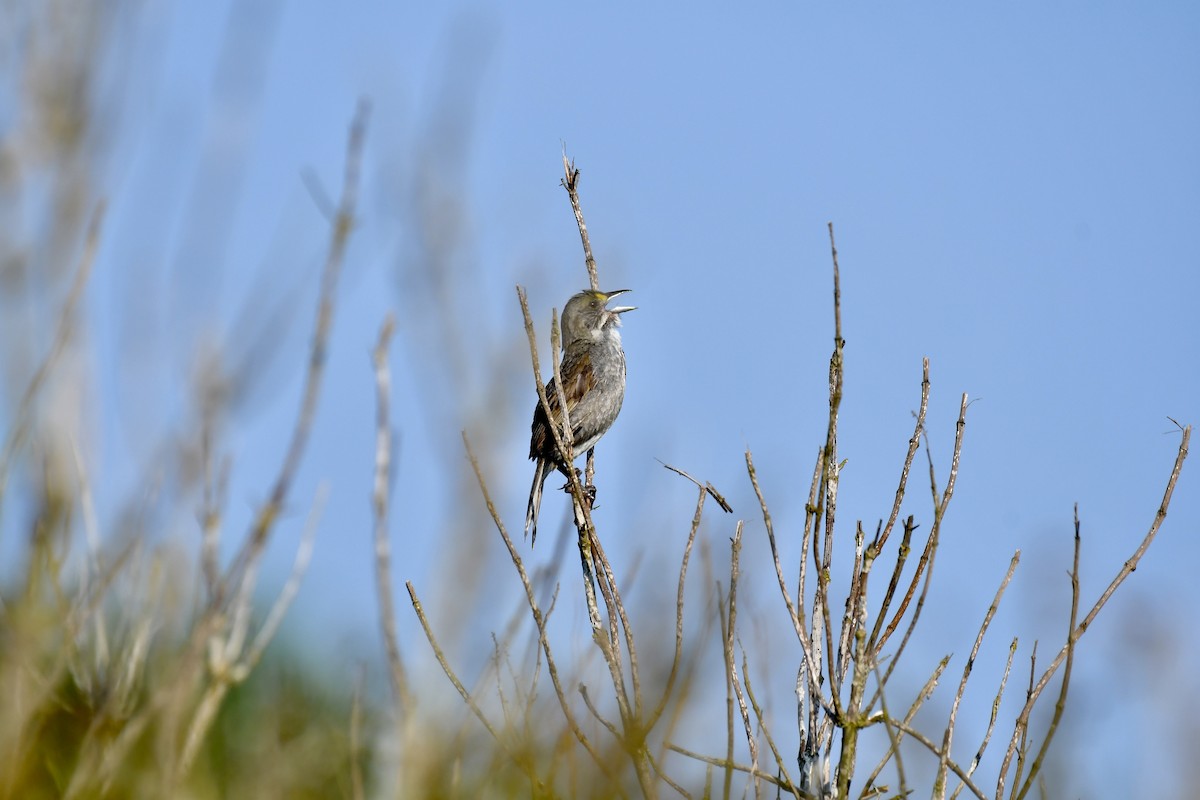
[589, 490]
[566, 487]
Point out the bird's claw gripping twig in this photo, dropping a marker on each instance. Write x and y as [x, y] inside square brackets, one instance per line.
[589, 490]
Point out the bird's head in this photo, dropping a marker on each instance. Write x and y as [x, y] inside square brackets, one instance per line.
[587, 315]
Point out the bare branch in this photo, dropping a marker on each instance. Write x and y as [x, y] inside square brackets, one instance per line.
[440, 655]
[1077, 632]
[941, 503]
[706, 486]
[798, 623]
[923, 695]
[652, 720]
[933, 748]
[762, 722]
[730, 637]
[283, 602]
[1061, 703]
[914, 443]
[730, 764]
[948, 736]
[380, 505]
[893, 746]
[62, 335]
[539, 619]
[267, 515]
[570, 182]
[1012, 651]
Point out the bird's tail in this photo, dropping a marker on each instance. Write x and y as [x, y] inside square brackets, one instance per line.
[540, 473]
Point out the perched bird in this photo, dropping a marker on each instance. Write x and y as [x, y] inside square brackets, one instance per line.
[593, 374]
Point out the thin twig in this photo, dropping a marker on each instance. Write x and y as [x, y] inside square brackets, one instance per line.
[658, 770]
[812, 512]
[987, 735]
[214, 494]
[948, 736]
[893, 745]
[923, 695]
[726, 763]
[706, 486]
[570, 182]
[730, 637]
[539, 618]
[875, 643]
[654, 716]
[723, 614]
[941, 503]
[795, 613]
[933, 748]
[1126, 570]
[610, 646]
[914, 444]
[62, 335]
[837, 289]
[344, 223]
[762, 722]
[1061, 703]
[808, 678]
[440, 655]
[283, 602]
[830, 478]
[634, 739]
[595, 712]
[1023, 728]
[91, 532]
[854, 605]
[854, 619]
[380, 505]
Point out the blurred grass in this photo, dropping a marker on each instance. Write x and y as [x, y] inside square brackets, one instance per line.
[283, 733]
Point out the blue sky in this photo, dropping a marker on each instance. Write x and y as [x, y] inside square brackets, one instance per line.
[1014, 191]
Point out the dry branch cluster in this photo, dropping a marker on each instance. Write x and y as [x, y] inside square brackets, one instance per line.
[845, 664]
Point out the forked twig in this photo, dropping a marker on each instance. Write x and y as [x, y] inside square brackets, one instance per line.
[1067, 650]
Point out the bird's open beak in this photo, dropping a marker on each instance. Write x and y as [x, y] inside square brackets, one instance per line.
[608, 296]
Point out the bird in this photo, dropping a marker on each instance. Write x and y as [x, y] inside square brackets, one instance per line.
[593, 375]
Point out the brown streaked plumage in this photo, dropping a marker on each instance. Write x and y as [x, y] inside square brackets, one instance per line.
[593, 373]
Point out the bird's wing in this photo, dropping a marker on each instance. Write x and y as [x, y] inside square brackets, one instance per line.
[578, 380]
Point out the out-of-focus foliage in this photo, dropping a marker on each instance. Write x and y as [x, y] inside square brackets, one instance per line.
[106, 627]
